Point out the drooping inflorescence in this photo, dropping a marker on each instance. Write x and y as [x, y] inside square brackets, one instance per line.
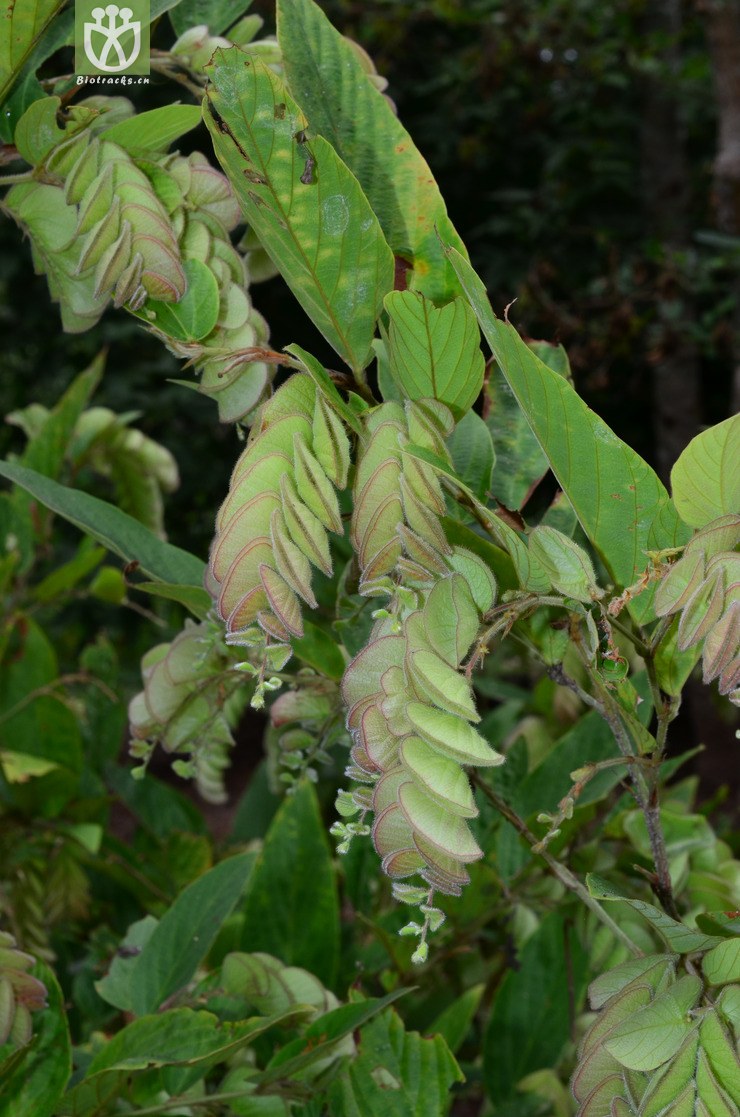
[409, 707]
[272, 527]
[192, 698]
[146, 230]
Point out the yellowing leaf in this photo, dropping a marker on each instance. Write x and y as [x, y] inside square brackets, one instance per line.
[304, 204]
[329, 82]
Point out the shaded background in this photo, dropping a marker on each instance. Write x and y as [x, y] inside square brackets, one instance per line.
[590, 158]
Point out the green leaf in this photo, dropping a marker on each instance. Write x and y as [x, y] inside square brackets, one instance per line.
[454, 1023]
[120, 533]
[26, 88]
[722, 1055]
[185, 933]
[218, 16]
[256, 808]
[46, 450]
[395, 1074]
[197, 600]
[434, 352]
[621, 504]
[519, 458]
[318, 650]
[154, 130]
[25, 91]
[530, 1021]
[654, 1034]
[721, 966]
[588, 741]
[23, 24]
[270, 986]
[161, 809]
[41, 725]
[37, 1080]
[291, 908]
[608, 984]
[37, 130]
[678, 937]
[115, 987]
[332, 88]
[705, 480]
[323, 1034]
[471, 450]
[196, 313]
[177, 1038]
[672, 666]
[306, 207]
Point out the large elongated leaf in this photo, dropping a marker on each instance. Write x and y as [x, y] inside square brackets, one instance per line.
[156, 129]
[38, 1079]
[396, 1074]
[291, 908]
[435, 352]
[178, 1038]
[39, 726]
[120, 533]
[185, 933]
[520, 463]
[678, 936]
[46, 449]
[23, 22]
[620, 502]
[217, 14]
[323, 1034]
[305, 205]
[706, 479]
[328, 81]
[530, 1021]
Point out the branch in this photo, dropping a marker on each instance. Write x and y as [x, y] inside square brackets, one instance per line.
[564, 875]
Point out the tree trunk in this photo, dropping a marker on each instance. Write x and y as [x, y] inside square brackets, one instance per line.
[676, 397]
[723, 33]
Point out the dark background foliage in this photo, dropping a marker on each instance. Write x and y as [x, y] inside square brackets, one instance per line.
[575, 144]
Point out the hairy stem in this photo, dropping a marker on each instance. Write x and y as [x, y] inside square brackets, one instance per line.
[563, 874]
[645, 788]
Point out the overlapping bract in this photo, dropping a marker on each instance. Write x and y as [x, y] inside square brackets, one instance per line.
[704, 587]
[192, 699]
[20, 993]
[273, 526]
[409, 710]
[105, 226]
[654, 1049]
[397, 499]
